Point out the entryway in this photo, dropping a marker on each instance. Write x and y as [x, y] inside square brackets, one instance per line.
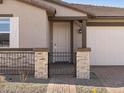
[61, 70]
[61, 56]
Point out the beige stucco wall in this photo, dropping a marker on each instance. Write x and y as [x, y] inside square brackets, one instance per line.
[64, 11]
[33, 23]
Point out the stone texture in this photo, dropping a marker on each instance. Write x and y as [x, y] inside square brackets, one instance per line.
[16, 59]
[41, 64]
[83, 65]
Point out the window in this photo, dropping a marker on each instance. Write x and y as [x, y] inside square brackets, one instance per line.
[4, 32]
[9, 32]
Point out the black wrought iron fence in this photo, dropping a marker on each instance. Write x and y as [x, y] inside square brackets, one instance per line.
[17, 62]
[62, 63]
[61, 57]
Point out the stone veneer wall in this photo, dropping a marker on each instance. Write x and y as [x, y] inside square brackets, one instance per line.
[83, 63]
[41, 63]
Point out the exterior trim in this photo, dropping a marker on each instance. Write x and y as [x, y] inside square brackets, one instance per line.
[40, 49]
[108, 17]
[84, 49]
[6, 15]
[106, 65]
[50, 44]
[84, 34]
[68, 6]
[50, 10]
[68, 18]
[1, 1]
[14, 32]
[71, 39]
[71, 33]
[16, 49]
[51, 36]
[105, 23]
[24, 49]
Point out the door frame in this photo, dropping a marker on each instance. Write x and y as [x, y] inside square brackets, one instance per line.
[71, 43]
[71, 36]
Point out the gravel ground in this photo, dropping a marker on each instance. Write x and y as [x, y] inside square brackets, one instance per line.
[87, 89]
[23, 88]
[15, 84]
[94, 85]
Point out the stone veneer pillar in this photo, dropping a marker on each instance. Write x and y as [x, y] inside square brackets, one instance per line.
[41, 63]
[83, 63]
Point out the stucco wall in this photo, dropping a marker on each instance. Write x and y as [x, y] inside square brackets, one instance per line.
[64, 11]
[33, 23]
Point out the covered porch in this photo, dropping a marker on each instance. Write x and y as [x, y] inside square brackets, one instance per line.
[67, 34]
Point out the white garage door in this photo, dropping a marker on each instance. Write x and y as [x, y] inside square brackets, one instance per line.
[107, 44]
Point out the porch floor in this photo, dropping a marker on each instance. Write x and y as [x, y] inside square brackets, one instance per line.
[61, 70]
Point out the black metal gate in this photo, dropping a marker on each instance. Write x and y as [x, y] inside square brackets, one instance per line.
[61, 57]
[62, 64]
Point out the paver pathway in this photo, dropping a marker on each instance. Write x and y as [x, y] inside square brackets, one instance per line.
[111, 77]
[61, 85]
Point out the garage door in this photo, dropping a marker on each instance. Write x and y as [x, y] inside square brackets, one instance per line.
[107, 45]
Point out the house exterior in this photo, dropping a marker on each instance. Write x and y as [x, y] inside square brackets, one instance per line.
[64, 28]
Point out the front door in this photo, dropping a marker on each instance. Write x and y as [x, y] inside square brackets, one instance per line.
[61, 42]
[61, 55]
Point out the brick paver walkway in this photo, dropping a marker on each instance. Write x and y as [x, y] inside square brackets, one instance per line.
[61, 85]
[112, 78]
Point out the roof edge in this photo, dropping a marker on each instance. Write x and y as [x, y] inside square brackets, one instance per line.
[50, 10]
[107, 17]
[62, 3]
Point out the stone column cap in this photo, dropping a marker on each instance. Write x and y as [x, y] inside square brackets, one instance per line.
[41, 49]
[84, 49]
